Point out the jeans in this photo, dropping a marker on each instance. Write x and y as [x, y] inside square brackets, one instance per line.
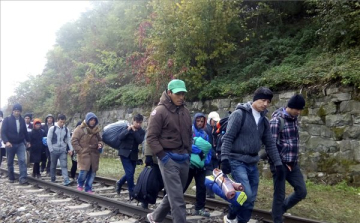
[296, 180]
[86, 177]
[62, 156]
[199, 175]
[19, 150]
[248, 176]
[129, 168]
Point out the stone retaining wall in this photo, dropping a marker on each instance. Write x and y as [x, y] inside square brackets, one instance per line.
[329, 130]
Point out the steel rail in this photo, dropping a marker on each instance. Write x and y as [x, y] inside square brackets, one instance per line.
[123, 208]
[214, 204]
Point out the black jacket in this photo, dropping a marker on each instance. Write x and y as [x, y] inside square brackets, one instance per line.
[37, 147]
[9, 132]
[130, 141]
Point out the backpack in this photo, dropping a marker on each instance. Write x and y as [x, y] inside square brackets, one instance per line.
[148, 185]
[221, 129]
[54, 136]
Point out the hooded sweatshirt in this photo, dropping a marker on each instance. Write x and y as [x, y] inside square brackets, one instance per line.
[245, 143]
[200, 133]
[61, 141]
[288, 139]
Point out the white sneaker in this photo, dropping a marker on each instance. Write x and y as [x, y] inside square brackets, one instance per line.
[226, 220]
[150, 218]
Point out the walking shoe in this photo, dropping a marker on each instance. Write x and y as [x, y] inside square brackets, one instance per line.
[210, 196]
[24, 183]
[11, 181]
[79, 188]
[226, 220]
[145, 205]
[150, 218]
[202, 212]
[90, 192]
[38, 176]
[67, 183]
[118, 187]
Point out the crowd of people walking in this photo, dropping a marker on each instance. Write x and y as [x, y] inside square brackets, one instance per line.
[172, 138]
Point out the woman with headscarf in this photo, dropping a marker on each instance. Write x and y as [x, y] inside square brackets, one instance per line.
[88, 145]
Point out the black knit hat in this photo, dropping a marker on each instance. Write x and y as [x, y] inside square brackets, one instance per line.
[18, 107]
[263, 93]
[297, 102]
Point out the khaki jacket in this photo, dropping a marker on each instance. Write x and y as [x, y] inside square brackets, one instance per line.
[85, 142]
[169, 128]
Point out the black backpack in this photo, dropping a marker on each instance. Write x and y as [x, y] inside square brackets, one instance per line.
[221, 129]
[148, 185]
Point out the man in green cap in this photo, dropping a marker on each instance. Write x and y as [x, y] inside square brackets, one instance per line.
[169, 137]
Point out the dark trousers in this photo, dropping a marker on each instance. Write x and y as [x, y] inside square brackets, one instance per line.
[199, 175]
[46, 157]
[280, 203]
[2, 153]
[36, 169]
[73, 169]
[129, 168]
[209, 172]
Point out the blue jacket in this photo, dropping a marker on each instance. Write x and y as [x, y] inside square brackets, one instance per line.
[9, 132]
[200, 133]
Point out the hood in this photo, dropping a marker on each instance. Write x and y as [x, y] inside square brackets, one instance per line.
[89, 130]
[89, 116]
[247, 107]
[166, 101]
[49, 115]
[197, 115]
[281, 112]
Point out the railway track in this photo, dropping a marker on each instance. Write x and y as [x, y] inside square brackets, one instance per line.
[105, 196]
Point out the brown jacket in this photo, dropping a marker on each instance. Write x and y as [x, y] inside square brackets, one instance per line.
[85, 142]
[169, 128]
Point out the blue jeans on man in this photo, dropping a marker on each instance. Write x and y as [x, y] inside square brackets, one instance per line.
[296, 180]
[19, 150]
[248, 176]
[62, 157]
[129, 168]
[86, 177]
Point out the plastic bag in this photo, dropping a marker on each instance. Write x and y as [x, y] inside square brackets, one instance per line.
[112, 131]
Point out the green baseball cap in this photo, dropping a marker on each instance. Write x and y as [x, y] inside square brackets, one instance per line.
[176, 86]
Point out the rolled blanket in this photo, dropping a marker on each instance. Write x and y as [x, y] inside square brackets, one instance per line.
[224, 182]
[238, 199]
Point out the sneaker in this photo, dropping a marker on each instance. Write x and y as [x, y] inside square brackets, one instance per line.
[210, 196]
[11, 181]
[38, 176]
[145, 205]
[79, 188]
[118, 187]
[24, 183]
[226, 220]
[67, 183]
[90, 191]
[202, 212]
[150, 218]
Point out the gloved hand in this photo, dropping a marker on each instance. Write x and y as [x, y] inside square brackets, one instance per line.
[202, 155]
[149, 161]
[279, 171]
[225, 166]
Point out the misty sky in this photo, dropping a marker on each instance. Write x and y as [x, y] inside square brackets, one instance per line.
[28, 31]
